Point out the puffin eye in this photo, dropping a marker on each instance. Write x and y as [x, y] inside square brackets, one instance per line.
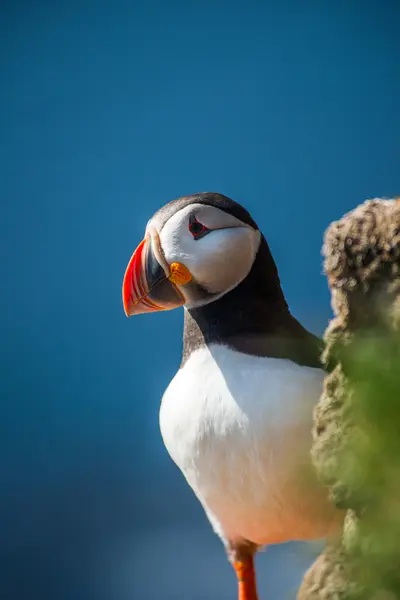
[196, 228]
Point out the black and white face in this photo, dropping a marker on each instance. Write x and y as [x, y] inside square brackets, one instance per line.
[196, 255]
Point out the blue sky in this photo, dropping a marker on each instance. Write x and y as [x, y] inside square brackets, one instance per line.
[109, 110]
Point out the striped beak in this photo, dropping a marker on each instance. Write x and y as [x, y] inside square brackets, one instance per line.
[147, 286]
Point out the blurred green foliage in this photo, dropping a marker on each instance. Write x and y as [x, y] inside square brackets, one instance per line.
[370, 463]
[356, 448]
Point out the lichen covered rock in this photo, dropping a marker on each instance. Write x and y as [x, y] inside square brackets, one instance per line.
[356, 449]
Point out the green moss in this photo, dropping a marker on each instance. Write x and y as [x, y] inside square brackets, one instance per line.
[356, 450]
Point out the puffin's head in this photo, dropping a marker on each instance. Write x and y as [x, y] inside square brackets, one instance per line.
[195, 250]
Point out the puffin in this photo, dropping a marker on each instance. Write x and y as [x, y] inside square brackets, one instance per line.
[237, 416]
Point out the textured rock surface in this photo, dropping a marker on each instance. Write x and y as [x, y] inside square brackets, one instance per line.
[356, 449]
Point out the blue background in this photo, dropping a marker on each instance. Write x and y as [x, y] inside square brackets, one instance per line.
[109, 110]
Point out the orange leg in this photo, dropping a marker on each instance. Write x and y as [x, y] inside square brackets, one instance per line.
[244, 568]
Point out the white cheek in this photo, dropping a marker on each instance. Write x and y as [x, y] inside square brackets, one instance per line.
[225, 258]
[178, 246]
[217, 261]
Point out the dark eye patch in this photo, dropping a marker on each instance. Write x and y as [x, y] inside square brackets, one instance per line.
[197, 229]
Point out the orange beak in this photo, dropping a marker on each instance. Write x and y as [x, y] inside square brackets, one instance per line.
[146, 287]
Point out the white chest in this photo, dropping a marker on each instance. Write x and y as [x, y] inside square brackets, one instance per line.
[239, 427]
